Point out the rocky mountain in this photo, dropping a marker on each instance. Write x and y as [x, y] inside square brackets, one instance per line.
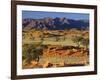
[54, 24]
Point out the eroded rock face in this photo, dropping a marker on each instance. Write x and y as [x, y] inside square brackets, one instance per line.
[59, 51]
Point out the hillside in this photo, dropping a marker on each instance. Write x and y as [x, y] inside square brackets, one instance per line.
[54, 24]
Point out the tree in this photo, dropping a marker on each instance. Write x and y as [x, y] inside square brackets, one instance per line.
[27, 53]
[37, 53]
[64, 36]
[77, 40]
[32, 53]
[42, 36]
[85, 42]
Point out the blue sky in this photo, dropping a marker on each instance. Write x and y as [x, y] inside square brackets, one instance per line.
[41, 14]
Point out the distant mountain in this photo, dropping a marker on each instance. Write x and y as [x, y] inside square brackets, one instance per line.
[54, 24]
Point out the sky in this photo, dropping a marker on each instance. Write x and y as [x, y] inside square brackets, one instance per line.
[42, 14]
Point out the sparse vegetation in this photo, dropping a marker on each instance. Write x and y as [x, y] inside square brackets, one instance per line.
[31, 52]
[85, 42]
[54, 42]
[54, 48]
[77, 40]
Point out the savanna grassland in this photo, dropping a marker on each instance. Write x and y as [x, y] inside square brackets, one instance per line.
[55, 48]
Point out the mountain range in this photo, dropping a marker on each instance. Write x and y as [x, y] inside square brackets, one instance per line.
[54, 24]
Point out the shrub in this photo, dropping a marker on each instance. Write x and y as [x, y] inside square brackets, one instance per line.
[31, 52]
[77, 40]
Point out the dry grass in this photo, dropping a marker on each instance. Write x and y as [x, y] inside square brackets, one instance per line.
[56, 57]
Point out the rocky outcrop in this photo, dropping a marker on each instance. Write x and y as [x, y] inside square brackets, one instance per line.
[59, 51]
